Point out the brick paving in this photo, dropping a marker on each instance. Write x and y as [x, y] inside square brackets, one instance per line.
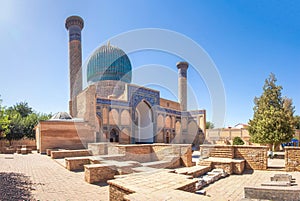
[232, 187]
[50, 180]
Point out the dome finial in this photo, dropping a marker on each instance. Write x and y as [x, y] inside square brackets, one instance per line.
[108, 43]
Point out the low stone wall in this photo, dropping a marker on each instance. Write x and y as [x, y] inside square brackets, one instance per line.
[154, 152]
[292, 158]
[141, 153]
[70, 153]
[95, 173]
[5, 147]
[76, 163]
[220, 151]
[255, 156]
[98, 148]
[264, 193]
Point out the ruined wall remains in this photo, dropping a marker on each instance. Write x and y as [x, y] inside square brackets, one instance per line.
[254, 156]
[292, 158]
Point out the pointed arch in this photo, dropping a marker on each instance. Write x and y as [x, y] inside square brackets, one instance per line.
[144, 129]
[113, 117]
[125, 118]
[168, 122]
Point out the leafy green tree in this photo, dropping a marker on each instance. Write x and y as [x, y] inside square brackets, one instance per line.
[22, 108]
[30, 121]
[238, 141]
[18, 121]
[273, 120]
[15, 127]
[209, 125]
[297, 122]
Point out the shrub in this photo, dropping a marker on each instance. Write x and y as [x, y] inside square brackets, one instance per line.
[238, 141]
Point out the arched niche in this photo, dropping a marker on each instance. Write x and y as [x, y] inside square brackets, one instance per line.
[144, 130]
[168, 122]
[113, 117]
[114, 135]
[125, 118]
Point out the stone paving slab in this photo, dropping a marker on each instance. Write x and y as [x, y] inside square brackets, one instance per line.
[53, 182]
[50, 180]
[232, 187]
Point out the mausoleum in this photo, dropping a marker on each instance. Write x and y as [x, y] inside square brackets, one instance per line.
[112, 109]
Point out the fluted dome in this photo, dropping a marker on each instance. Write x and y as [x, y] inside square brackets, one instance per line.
[108, 63]
[61, 116]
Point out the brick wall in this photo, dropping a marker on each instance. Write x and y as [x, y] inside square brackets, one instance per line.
[95, 173]
[292, 158]
[141, 153]
[63, 134]
[255, 156]
[169, 104]
[220, 151]
[4, 144]
[155, 152]
[227, 134]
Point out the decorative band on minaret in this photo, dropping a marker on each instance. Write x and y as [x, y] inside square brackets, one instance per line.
[182, 84]
[74, 24]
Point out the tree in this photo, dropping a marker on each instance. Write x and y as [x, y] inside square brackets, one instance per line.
[30, 121]
[18, 121]
[273, 120]
[209, 125]
[4, 121]
[297, 122]
[22, 108]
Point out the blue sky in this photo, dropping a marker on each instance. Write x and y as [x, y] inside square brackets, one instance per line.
[247, 40]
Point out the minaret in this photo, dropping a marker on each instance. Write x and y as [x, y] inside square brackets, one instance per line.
[74, 24]
[182, 84]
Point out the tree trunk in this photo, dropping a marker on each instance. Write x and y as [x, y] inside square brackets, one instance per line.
[273, 146]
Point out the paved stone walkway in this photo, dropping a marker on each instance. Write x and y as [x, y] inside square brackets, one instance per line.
[232, 187]
[50, 180]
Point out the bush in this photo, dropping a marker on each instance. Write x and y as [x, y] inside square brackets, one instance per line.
[238, 141]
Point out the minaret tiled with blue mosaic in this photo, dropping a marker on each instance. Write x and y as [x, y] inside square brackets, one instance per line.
[74, 24]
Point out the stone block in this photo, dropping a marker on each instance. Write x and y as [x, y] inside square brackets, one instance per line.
[76, 163]
[238, 166]
[98, 148]
[94, 173]
[272, 193]
[70, 153]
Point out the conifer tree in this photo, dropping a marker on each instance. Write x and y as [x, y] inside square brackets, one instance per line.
[273, 120]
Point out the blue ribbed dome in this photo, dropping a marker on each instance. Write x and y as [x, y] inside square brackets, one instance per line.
[109, 63]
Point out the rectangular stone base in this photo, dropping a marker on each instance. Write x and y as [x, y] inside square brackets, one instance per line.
[94, 173]
[272, 193]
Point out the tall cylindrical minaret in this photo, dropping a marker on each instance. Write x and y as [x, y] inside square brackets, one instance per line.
[74, 24]
[182, 84]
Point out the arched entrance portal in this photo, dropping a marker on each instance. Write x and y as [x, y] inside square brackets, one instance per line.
[144, 129]
[114, 135]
